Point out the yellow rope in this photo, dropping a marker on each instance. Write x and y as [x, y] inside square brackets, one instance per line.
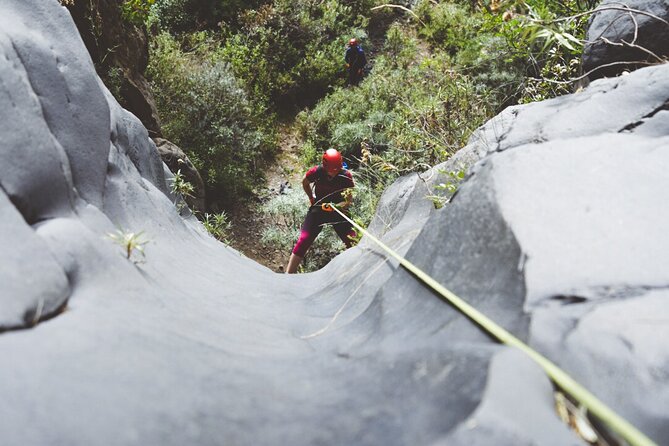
[559, 376]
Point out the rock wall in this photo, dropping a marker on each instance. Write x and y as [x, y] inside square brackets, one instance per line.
[558, 233]
[625, 36]
[120, 51]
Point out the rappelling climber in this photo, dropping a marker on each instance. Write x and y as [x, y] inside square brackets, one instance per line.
[355, 61]
[332, 183]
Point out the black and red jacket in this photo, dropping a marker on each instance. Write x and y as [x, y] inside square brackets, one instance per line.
[329, 190]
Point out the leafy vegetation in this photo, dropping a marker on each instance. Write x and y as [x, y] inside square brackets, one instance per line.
[415, 113]
[523, 46]
[182, 189]
[218, 225]
[289, 52]
[186, 16]
[206, 112]
[225, 73]
[136, 11]
[414, 110]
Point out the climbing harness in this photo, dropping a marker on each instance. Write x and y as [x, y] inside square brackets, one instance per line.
[559, 376]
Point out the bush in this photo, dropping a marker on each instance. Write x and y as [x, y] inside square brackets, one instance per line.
[554, 78]
[186, 16]
[218, 225]
[407, 114]
[447, 26]
[136, 11]
[207, 113]
[290, 53]
[490, 63]
[501, 45]
[401, 46]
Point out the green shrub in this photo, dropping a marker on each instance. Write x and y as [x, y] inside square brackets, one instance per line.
[218, 225]
[504, 47]
[182, 190]
[446, 25]
[310, 155]
[184, 16]
[207, 113]
[136, 11]
[290, 53]
[400, 46]
[553, 79]
[172, 16]
[409, 115]
[531, 41]
[113, 80]
[365, 199]
[490, 63]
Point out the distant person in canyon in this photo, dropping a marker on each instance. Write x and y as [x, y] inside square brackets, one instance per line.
[355, 61]
[330, 180]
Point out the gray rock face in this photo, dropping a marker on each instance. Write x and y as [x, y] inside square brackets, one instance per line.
[623, 40]
[120, 51]
[558, 233]
[177, 161]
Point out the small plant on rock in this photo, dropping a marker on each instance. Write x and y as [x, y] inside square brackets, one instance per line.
[131, 242]
[181, 187]
[218, 225]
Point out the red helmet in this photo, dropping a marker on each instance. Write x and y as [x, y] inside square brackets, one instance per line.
[353, 42]
[332, 161]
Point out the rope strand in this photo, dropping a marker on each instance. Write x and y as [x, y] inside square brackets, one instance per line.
[559, 376]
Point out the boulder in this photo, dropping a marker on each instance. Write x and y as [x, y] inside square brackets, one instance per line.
[626, 36]
[178, 161]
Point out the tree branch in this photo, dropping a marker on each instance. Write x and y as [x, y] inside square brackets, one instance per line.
[583, 76]
[607, 8]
